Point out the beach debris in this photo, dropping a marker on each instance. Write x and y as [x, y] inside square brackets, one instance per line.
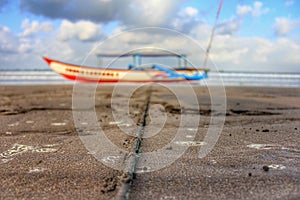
[14, 124]
[36, 170]
[8, 133]
[5, 160]
[58, 124]
[213, 162]
[262, 146]
[29, 122]
[52, 145]
[128, 142]
[127, 125]
[125, 177]
[167, 197]
[17, 149]
[115, 123]
[273, 166]
[119, 123]
[111, 159]
[266, 168]
[44, 150]
[143, 169]
[109, 185]
[279, 166]
[190, 143]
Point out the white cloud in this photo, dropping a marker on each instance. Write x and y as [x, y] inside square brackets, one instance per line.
[283, 25]
[256, 54]
[258, 10]
[81, 30]
[149, 13]
[187, 18]
[243, 10]
[20, 50]
[30, 28]
[231, 52]
[127, 12]
[189, 12]
[229, 26]
[255, 10]
[8, 41]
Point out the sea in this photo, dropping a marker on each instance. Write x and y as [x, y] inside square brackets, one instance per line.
[263, 79]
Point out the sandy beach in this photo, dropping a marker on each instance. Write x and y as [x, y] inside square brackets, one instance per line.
[257, 155]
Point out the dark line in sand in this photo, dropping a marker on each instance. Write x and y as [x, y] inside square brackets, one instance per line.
[17, 111]
[124, 190]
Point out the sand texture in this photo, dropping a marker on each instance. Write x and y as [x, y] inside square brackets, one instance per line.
[257, 155]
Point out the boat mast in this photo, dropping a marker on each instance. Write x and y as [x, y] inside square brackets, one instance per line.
[212, 35]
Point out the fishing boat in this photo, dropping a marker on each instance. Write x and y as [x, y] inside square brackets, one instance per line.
[135, 72]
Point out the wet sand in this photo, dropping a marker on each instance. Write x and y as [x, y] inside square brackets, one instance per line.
[256, 157]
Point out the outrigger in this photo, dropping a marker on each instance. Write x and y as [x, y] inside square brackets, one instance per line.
[136, 72]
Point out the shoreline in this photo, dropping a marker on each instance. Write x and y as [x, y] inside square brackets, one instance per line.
[228, 79]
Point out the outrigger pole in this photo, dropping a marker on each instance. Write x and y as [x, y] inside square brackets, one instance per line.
[137, 57]
[212, 34]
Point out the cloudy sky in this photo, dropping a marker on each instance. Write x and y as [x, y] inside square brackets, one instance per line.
[250, 35]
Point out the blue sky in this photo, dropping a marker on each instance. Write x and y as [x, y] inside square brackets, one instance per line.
[250, 35]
